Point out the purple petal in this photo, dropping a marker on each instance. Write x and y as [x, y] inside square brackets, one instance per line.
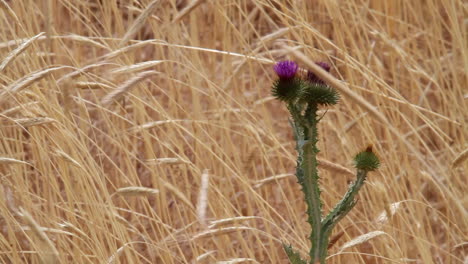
[286, 69]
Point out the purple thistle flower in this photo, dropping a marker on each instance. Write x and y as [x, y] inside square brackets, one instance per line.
[311, 77]
[286, 69]
[324, 65]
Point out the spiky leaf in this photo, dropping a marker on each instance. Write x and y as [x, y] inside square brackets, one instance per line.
[294, 257]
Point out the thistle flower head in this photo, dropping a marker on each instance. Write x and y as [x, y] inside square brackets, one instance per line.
[311, 77]
[286, 69]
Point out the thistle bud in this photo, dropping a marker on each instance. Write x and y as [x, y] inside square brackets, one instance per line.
[366, 160]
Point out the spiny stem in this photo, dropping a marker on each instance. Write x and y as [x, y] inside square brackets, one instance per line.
[310, 175]
[341, 209]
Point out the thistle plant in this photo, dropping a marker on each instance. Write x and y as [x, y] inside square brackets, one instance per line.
[303, 94]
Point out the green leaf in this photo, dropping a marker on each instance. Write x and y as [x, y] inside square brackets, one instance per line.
[294, 257]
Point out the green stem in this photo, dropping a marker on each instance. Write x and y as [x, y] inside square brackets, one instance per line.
[311, 180]
[341, 209]
[305, 129]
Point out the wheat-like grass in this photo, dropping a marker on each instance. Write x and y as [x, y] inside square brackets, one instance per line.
[139, 22]
[126, 86]
[67, 158]
[136, 67]
[19, 108]
[92, 85]
[84, 39]
[10, 57]
[6, 160]
[362, 239]
[34, 121]
[26, 81]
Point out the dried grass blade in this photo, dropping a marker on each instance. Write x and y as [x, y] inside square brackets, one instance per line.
[388, 213]
[460, 158]
[270, 179]
[334, 167]
[124, 49]
[85, 40]
[47, 250]
[205, 255]
[203, 197]
[34, 121]
[187, 10]
[126, 86]
[178, 194]
[5, 160]
[139, 22]
[4, 5]
[18, 108]
[81, 70]
[362, 239]
[67, 157]
[136, 191]
[171, 161]
[22, 47]
[228, 221]
[137, 67]
[220, 231]
[113, 258]
[92, 85]
[237, 260]
[156, 123]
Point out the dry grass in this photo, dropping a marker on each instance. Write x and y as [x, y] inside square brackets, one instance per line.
[143, 98]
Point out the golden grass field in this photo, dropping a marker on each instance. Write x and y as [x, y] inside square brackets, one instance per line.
[144, 131]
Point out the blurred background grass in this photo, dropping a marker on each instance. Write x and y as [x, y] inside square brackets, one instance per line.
[172, 99]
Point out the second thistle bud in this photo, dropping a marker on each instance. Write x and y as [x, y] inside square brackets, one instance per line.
[312, 78]
[316, 91]
[366, 160]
